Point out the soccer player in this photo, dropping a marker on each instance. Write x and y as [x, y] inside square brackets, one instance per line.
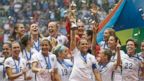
[27, 52]
[107, 67]
[85, 65]
[45, 63]
[16, 66]
[108, 32]
[35, 36]
[131, 65]
[53, 33]
[18, 33]
[64, 64]
[6, 52]
[112, 44]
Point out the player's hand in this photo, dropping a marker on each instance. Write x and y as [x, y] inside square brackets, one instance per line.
[28, 78]
[118, 45]
[95, 26]
[41, 71]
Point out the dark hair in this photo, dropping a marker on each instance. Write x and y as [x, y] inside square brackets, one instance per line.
[135, 43]
[111, 31]
[116, 38]
[107, 52]
[24, 40]
[9, 44]
[13, 36]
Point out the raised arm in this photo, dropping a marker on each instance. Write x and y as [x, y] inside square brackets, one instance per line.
[94, 43]
[72, 37]
[119, 62]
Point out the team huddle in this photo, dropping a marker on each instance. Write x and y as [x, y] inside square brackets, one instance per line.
[32, 57]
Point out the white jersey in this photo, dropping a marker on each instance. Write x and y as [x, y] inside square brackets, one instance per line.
[36, 45]
[64, 69]
[41, 60]
[130, 68]
[106, 71]
[3, 76]
[117, 74]
[83, 70]
[141, 56]
[28, 57]
[103, 44]
[16, 66]
[61, 39]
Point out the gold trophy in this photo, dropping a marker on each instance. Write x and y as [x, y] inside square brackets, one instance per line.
[72, 12]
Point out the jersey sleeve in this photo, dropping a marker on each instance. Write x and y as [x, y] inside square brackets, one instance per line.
[94, 63]
[8, 63]
[24, 62]
[112, 65]
[75, 51]
[55, 62]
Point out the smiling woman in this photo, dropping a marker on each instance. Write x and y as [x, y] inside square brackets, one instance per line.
[6, 52]
[133, 64]
[85, 64]
[64, 65]
[35, 36]
[18, 33]
[54, 33]
[44, 63]
[16, 66]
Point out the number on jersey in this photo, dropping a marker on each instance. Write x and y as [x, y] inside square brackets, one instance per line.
[128, 65]
[64, 72]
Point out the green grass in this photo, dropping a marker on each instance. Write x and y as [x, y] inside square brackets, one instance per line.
[124, 35]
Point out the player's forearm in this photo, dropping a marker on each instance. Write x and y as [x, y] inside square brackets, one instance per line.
[73, 40]
[15, 76]
[118, 63]
[94, 43]
[56, 76]
[97, 75]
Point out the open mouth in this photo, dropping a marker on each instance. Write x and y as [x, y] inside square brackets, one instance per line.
[51, 31]
[35, 30]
